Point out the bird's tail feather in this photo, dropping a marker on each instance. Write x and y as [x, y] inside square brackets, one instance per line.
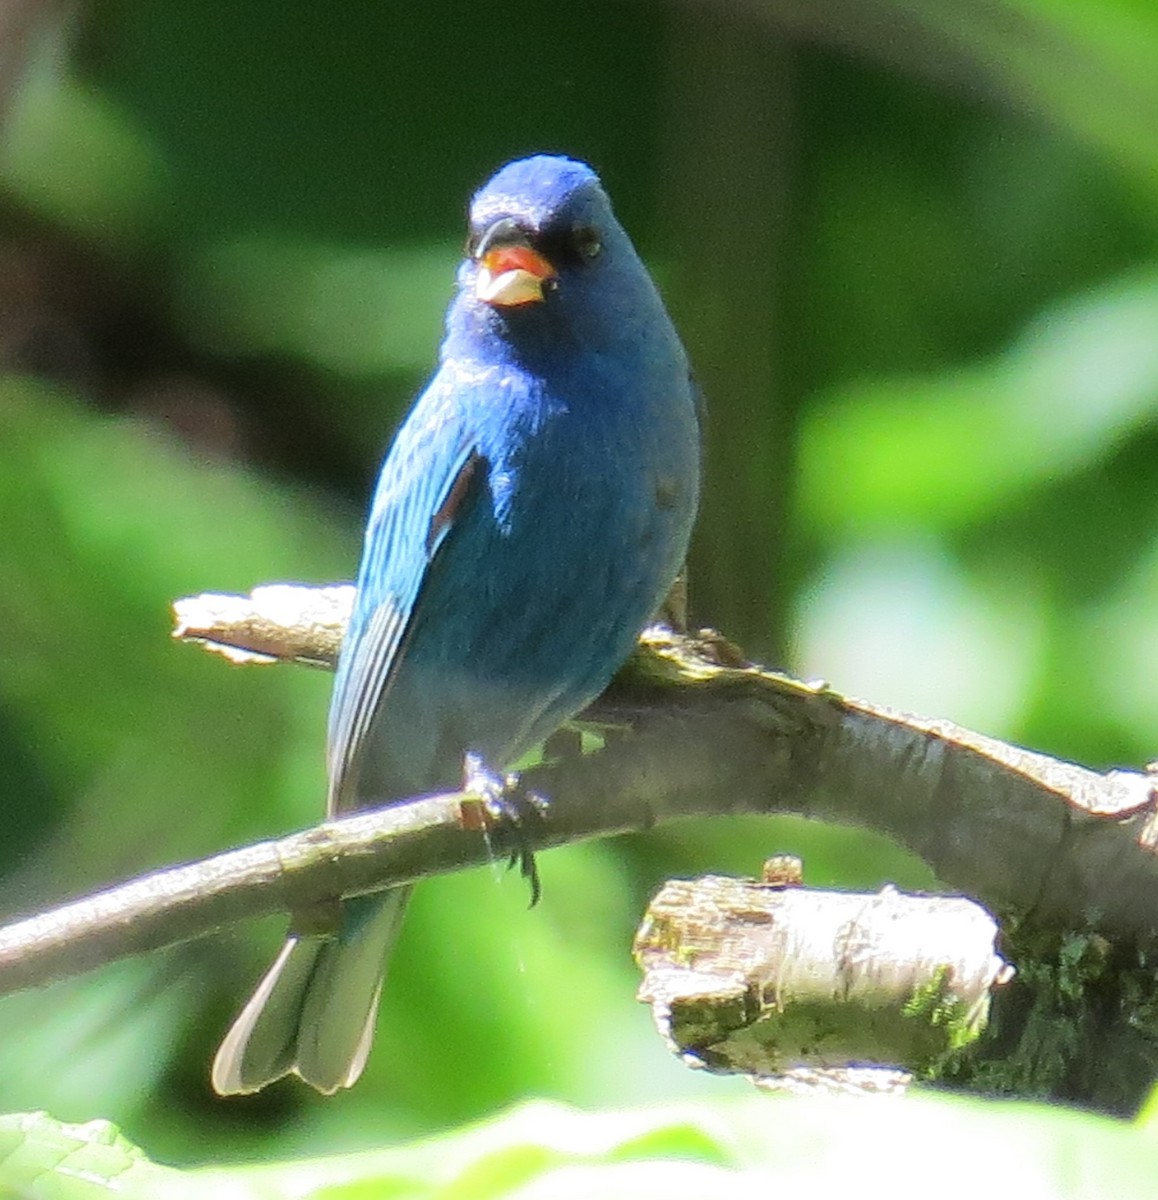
[313, 1013]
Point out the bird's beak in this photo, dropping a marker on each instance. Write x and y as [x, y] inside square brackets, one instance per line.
[512, 274]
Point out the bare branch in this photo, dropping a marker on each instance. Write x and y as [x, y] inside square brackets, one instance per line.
[690, 730]
[1020, 831]
[280, 622]
[364, 852]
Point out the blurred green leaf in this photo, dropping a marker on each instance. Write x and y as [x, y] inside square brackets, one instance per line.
[807, 1147]
[156, 754]
[1089, 67]
[73, 156]
[72, 1041]
[956, 447]
[106, 522]
[900, 620]
[44, 1159]
[354, 312]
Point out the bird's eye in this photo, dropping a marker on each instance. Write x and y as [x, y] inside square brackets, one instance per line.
[587, 242]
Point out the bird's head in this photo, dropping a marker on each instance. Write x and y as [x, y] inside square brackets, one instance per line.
[546, 254]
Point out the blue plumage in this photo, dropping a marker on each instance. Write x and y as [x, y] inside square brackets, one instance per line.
[531, 514]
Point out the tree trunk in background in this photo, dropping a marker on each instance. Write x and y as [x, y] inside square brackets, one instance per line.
[727, 162]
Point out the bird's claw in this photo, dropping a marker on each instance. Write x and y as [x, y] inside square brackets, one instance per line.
[513, 809]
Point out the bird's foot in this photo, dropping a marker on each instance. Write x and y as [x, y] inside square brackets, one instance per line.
[512, 810]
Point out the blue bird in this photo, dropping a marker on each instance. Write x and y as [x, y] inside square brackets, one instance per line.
[530, 517]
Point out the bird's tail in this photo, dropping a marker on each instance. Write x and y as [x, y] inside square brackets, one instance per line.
[314, 1011]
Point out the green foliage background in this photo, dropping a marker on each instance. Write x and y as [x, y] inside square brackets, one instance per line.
[913, 251]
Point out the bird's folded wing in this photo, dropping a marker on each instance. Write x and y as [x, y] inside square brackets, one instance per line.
[425, 489]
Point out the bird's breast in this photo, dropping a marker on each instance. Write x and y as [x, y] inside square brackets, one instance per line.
[592, 467]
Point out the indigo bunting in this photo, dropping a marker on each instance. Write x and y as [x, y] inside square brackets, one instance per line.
[530, 516]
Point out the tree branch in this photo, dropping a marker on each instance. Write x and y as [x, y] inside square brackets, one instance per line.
[690, 730]
[766, 977]
[280, 622]
[1026, 834]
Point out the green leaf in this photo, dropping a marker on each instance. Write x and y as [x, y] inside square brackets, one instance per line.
[355, 311]
[1088, 67]
[754, 1146]
[45, 1159]
[151, 752]
[960, 446]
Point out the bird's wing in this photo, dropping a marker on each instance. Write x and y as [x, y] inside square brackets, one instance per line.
[427, 483]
